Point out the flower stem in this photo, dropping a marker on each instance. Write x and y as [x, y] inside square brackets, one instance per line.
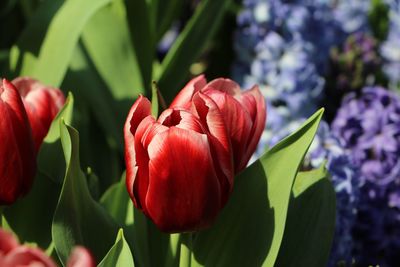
[1, 216]
[186, 250]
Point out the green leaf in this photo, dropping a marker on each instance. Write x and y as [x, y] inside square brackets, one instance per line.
[25, 52]
[168, 11]
[61, 38]
[142, 34]
[31, 216]
[85, 82]
[249, 230]
[311, 221]
[107, 40]
[51, 150]
[119, 255]
[189, 45]
[118, 204]
[78, 218]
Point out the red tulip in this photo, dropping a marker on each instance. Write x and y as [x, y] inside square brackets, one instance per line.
[179, 167]
[12, 254]
[17, 154]
[42, 103]
[244, 113]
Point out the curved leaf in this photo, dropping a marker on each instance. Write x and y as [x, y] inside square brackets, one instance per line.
[249, 230]
[78, 218]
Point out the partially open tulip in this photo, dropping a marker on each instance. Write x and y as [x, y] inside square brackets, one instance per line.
[12, 254]
[179, 167]
[244, 112]
[42, 103]
[17, 154]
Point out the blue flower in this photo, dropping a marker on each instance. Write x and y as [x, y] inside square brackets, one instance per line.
[369, 125]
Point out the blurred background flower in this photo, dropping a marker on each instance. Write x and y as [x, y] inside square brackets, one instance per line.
[334, 54]
[369, 124]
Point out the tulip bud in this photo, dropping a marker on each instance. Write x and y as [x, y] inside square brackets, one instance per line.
[17, 154]
[244, 113]
[179, 167]
[42, 103]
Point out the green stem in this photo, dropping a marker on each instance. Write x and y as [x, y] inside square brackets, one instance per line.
[1, 216]
[186, 250]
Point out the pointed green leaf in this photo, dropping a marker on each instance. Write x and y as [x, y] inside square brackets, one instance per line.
[78, 218]
[189, 45]
[119, 255]
[61, 38]
[311, 221]
[249, 230]
[108, 42]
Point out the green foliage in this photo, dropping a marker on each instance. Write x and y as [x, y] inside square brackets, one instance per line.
[378, 18]
[311, 221]
[250, 229]
[119, 255]
[188, 46]
[79, 219]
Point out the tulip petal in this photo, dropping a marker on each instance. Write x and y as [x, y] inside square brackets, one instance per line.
[42, 103]
[184, 193]
[7, 242]
[181, 119]
[237, 121]
[81, 257]
[140, 109]
[182, 100]
[27, 256]
[17, 154]
[211, 116]
[254, 102]
[224, 85]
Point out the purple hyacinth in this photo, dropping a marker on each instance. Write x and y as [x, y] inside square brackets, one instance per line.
[327, 149]
[369, 125]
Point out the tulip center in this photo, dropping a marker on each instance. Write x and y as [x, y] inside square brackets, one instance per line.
[173, 119]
